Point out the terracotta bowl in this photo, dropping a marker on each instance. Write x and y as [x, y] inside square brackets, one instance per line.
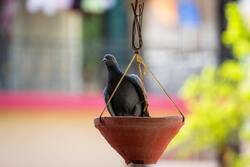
[139, 140]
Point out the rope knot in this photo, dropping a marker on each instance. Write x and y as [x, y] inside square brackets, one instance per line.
[141, 65]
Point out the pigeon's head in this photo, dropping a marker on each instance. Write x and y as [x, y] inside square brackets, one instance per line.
[110, 61]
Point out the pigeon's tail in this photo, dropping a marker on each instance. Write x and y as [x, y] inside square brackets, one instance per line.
[145, 112]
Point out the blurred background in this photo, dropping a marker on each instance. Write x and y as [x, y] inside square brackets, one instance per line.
[52, 77]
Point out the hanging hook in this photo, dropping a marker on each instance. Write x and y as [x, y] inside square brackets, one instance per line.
[138, 9]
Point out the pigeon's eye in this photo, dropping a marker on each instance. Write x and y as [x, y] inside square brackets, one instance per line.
[109, 58]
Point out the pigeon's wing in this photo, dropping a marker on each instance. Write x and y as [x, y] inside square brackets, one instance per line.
[136, 81]
[109, 106]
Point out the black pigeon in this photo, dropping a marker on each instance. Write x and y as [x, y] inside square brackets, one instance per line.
[129, 99]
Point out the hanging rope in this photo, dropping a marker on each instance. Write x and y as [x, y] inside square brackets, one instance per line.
[138, 9]
[143, 69]
[166, 93]
[146, 69]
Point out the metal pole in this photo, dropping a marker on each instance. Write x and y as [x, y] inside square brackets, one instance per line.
[141, 165]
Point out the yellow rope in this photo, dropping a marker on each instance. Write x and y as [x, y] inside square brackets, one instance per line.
[142, 73]
[140, 62]
[162, 88]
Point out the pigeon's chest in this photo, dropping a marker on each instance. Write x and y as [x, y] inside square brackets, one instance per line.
[126, 95]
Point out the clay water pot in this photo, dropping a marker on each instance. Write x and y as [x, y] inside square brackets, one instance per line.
[139, 140]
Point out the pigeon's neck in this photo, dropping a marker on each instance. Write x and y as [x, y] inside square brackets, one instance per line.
[114, 73]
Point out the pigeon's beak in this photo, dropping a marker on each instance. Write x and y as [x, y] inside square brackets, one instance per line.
[104, 59]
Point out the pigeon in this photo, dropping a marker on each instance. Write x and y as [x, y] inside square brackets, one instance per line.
[129, 99]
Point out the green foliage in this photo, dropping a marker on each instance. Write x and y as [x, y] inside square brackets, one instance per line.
[237, 34]
[218, 99]
[214, 99]
[242, 161]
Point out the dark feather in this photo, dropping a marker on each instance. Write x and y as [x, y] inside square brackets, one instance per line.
[140, 90]
[106, 98]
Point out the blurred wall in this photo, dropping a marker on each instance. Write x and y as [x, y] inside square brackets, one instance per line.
[181, 38]
[46, 52]
[53, 139]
